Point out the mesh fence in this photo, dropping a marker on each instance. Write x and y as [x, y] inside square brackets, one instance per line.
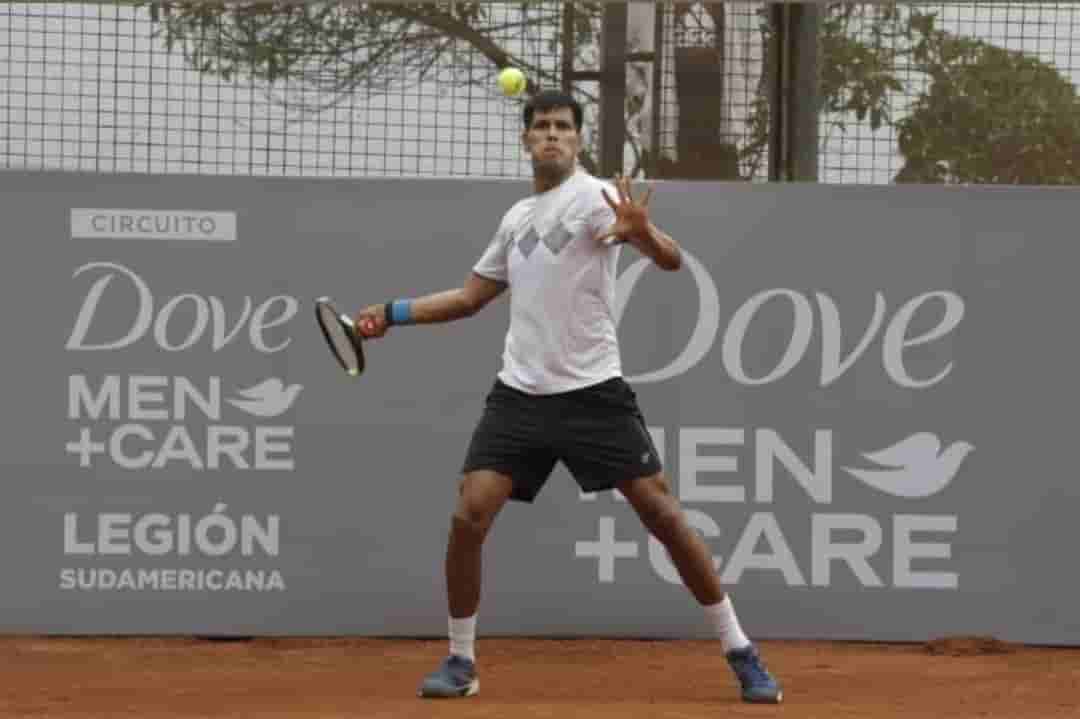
[984, 92]
[101, 88]
[729, 41]
[936, 92]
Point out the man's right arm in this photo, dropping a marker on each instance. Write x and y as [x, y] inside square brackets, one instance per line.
[445, 306]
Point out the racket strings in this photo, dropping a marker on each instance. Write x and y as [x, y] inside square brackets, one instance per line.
[337, 330]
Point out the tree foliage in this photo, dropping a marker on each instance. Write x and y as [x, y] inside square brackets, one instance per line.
[989, 116]
[336, 48]
[964, 110]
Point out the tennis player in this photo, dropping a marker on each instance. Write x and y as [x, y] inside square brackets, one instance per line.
[560, 395]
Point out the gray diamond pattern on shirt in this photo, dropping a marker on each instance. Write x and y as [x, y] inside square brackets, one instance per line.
[527, 243]
[555, 240]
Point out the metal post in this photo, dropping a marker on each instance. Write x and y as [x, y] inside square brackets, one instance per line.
[794, 91]
[804, 92]
[613, 88]
[776, 68]
[653, 170]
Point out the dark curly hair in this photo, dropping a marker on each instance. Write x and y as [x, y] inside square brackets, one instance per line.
[552, 100]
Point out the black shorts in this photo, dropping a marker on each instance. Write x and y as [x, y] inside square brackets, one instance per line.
[598, 432]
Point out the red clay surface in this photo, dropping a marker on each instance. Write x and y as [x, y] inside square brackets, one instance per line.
[154, 678]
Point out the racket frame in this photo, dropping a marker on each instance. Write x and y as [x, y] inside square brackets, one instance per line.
[347, 326]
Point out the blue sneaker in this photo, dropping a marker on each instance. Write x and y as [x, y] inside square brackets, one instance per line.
[758, 686]
[455, 677]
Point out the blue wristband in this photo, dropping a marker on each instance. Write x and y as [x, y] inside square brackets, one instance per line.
[400, 312]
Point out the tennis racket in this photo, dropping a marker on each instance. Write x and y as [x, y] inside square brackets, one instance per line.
[345, 342]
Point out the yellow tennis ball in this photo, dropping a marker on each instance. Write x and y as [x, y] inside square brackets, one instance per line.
[512, 81]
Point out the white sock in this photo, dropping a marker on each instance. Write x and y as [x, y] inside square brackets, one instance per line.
[463, 637]
[726, 625]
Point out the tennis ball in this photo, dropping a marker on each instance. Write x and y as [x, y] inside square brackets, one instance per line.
[512, 81]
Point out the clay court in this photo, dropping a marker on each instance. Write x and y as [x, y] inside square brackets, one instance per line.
[157, 678]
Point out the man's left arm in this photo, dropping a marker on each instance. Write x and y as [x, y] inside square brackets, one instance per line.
[658, 246]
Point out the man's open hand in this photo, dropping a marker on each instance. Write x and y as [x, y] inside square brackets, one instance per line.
[631, 216]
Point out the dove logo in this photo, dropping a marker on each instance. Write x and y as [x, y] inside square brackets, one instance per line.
[708, 470]
[915, 467]
[896, 335]
[705, 329]
[145, 422]
[213, 322]
[269, 398]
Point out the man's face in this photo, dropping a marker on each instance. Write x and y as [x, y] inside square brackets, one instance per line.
[552, 140]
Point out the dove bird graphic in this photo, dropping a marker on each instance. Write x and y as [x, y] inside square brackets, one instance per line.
[918, 466]
[269, 398]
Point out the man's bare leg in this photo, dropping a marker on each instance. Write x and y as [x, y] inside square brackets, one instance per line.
[480, 497]
[659, 511]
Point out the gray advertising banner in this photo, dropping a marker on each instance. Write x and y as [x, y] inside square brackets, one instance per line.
[865, 399]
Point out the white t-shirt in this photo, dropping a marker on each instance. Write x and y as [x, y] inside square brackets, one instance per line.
[562, 288]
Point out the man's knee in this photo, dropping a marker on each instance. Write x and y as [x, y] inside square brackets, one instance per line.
[470, 526]
[476, 509]
[651, 497]
[658, 486]
[647, 491]
[472, 518]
